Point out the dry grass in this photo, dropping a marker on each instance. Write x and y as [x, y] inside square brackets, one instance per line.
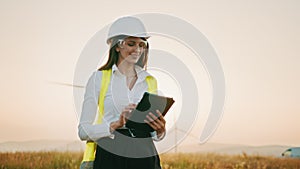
[40, 160]
[68, 160]
[216, 161]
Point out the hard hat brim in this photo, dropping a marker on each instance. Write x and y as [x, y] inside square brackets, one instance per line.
[146, 36]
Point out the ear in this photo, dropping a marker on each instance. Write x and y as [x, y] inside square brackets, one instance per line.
[117, 49]
[120, 45]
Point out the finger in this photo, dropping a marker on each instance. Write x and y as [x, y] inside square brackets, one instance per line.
[122, 119]
[159, 113]
[155, 126]
[126, 114]
[152, 116]
[152, 121]
[149, 118]
[156, 122]
[131, 106]
[150, 124]
[127, 110]
[160, 116]
[159, 123]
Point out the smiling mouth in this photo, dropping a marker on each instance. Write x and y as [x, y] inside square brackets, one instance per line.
[135, 54]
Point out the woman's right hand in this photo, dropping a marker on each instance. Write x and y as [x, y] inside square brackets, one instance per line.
[123, 117]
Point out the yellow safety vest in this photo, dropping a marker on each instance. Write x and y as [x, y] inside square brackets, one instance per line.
[90, 148]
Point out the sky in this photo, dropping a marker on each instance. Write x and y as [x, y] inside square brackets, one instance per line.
[257, 43]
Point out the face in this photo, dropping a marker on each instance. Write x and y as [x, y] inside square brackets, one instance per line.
[131, 49]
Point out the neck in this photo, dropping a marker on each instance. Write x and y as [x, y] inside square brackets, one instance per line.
[127, 69]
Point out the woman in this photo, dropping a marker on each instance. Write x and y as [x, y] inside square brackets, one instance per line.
[119, 147]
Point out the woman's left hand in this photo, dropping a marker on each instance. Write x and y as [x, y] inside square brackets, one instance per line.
[157, 123]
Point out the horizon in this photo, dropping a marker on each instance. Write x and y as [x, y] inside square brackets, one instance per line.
[180, 144]
[78, 146]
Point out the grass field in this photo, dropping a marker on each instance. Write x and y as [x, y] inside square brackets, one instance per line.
[69, 160]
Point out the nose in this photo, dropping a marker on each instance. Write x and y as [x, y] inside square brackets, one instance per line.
[138, 48]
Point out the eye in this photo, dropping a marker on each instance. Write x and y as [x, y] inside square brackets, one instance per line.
[143, 45]
[131, 43]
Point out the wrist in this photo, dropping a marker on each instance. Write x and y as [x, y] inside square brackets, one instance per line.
[113, 126]
[160, 133]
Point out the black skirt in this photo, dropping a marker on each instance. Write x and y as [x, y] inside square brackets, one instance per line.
[128, 150]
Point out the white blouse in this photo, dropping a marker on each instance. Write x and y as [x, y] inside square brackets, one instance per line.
[117, 97]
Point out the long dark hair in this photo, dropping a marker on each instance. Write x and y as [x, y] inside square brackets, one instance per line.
[113, 56]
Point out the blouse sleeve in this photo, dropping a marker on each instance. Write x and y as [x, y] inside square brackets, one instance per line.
[87, 129]
[155, 138]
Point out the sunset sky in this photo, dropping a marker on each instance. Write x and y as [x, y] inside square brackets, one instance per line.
[258, 44]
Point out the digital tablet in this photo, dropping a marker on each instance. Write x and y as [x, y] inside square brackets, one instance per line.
[149, 103]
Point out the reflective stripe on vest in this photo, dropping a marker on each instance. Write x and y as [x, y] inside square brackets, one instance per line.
[89, 153]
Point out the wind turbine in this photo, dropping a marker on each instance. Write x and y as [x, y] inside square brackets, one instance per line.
[66, 84]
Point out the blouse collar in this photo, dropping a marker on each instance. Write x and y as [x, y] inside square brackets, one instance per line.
[141, 73]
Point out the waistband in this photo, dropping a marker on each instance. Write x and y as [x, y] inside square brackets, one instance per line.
[132, 133]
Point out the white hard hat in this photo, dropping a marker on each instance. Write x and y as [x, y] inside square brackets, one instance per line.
[128, 26]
